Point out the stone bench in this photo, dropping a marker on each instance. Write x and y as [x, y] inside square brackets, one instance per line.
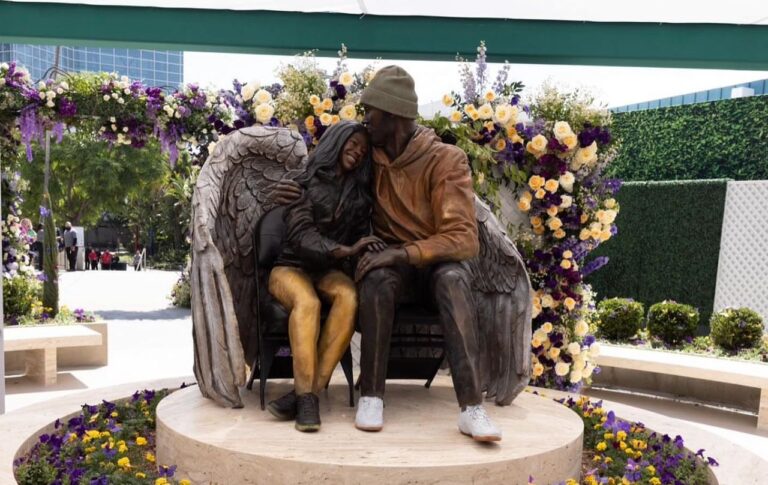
[40, 344]
[725, 371]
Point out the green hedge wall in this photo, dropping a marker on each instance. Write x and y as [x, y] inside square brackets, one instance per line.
[720, 139]
[667, 246]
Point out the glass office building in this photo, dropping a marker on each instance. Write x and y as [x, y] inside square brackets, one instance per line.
[153, 68]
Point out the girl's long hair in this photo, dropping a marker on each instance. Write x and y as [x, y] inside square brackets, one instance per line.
[324, 159]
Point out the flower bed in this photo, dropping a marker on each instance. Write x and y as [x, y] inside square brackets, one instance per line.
[620, 452]
[109, 443]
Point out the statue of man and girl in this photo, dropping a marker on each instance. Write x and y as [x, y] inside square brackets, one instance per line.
[383, 206]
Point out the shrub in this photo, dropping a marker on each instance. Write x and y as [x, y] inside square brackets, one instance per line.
[736, 328]
[20, 294]
[181, 295]
[619, 318]
[672, 322]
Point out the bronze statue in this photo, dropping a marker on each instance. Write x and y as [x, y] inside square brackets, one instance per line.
[444, 235]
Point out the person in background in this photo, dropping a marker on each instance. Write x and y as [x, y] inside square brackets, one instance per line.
[137, 261]
[92, 259]
[70, 246]
[106, 260]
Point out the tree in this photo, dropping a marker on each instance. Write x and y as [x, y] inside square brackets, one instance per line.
[89, 177]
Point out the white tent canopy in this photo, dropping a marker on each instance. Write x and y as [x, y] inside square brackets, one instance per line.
[740, 12]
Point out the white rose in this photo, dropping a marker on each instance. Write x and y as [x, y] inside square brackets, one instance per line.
[112, 119]
[566, 201]
[50, 104]
[566, 181]
[588, 370]
[115, 95]
[594, 349]
[127, 91]
[114, 127]
[581, 328]
[574, 348]
[4, 65]
[264, 112]
[64, 85]
[177, 115]
[540, 335]
[575, 376]
[561, 368]
[503, 113]
[348, 112]
[346, 79]
[120, 101]
[59, 91]
[125, 129]
[485, 111]
[547, 301]
[41, 85]
[262, 96]
[561, 130]
[248, 91]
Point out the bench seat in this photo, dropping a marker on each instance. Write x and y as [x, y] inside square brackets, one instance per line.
[729, 371]
[40, 344]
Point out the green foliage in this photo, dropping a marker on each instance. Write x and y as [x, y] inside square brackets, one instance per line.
[721, 139]
[88, 177]
[577, 107]
[736, 328]
[619, 318]
[20, 294]
[301, 79]
[672, 322]
[668, 244]
[181, 295]
[50, 263]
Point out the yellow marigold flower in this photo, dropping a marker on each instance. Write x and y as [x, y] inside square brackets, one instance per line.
[93, 433]
[551, 185]
[559, 234]
[141, 441]
[621, 435]
[536, 182]
[501, 144]
[455, 116]
[122, 448]
[655, 481]
[524, 205]
[150, 457]
[346, 79]
[327, 104]
[602, 446]
[565, 264]
[590, 480]
[140, 475]
[319, 110]
[447, 100]
[124, 462]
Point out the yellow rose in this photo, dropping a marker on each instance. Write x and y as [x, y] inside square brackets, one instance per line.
[552, 211]
[540, 194]
[546, 327]
[554, 353]
[606, 216]
[547, 301]
[561, 130]
[538, 144]
[314, 100]
[501, 144]
[516, 139]
[559, 234]
[327, 104]
[335, 119]
[326, 119]
[604, 236]
[610, 203]
[536, 221]
[584, 234]
[538, 369]
[489, 96]
[535, 342]
[455, 116]
[485, 111]
[319, 110]
[584, 217]
[448, 100]
[554, 223]
[263, 96]
[575, 376]
[567, 254]
[469, 109]
[526, 195]
[264, 112]
[502, 115]
[524, 205]
[309, 121]
[538, 230]
[348, 112]
[581, 328]
[346, 79]
[536, 182]
[570, 141]
[474, 115]
[551, 185]
[565, 264]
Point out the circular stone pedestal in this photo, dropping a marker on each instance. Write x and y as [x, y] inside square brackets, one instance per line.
[420, 442]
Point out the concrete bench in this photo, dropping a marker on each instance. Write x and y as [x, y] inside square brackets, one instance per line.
[726, 371]
[40, 345]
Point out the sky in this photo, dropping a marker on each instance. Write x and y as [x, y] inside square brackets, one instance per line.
[611, 86]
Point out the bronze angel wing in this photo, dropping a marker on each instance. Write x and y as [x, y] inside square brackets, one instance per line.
[503, 296]
[234, 188]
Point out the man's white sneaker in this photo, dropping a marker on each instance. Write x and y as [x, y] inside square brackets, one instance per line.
[370, 414]
[474, 422]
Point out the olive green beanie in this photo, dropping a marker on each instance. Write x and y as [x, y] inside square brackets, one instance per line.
[392, 90]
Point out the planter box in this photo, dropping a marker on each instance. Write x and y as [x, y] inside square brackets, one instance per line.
[88, 356]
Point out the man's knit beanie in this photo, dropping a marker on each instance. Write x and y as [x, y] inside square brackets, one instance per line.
[392, 90]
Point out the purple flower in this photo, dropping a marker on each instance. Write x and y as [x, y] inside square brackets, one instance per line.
[42, 277]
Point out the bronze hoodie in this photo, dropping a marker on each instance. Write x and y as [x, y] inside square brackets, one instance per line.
[424, 200]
